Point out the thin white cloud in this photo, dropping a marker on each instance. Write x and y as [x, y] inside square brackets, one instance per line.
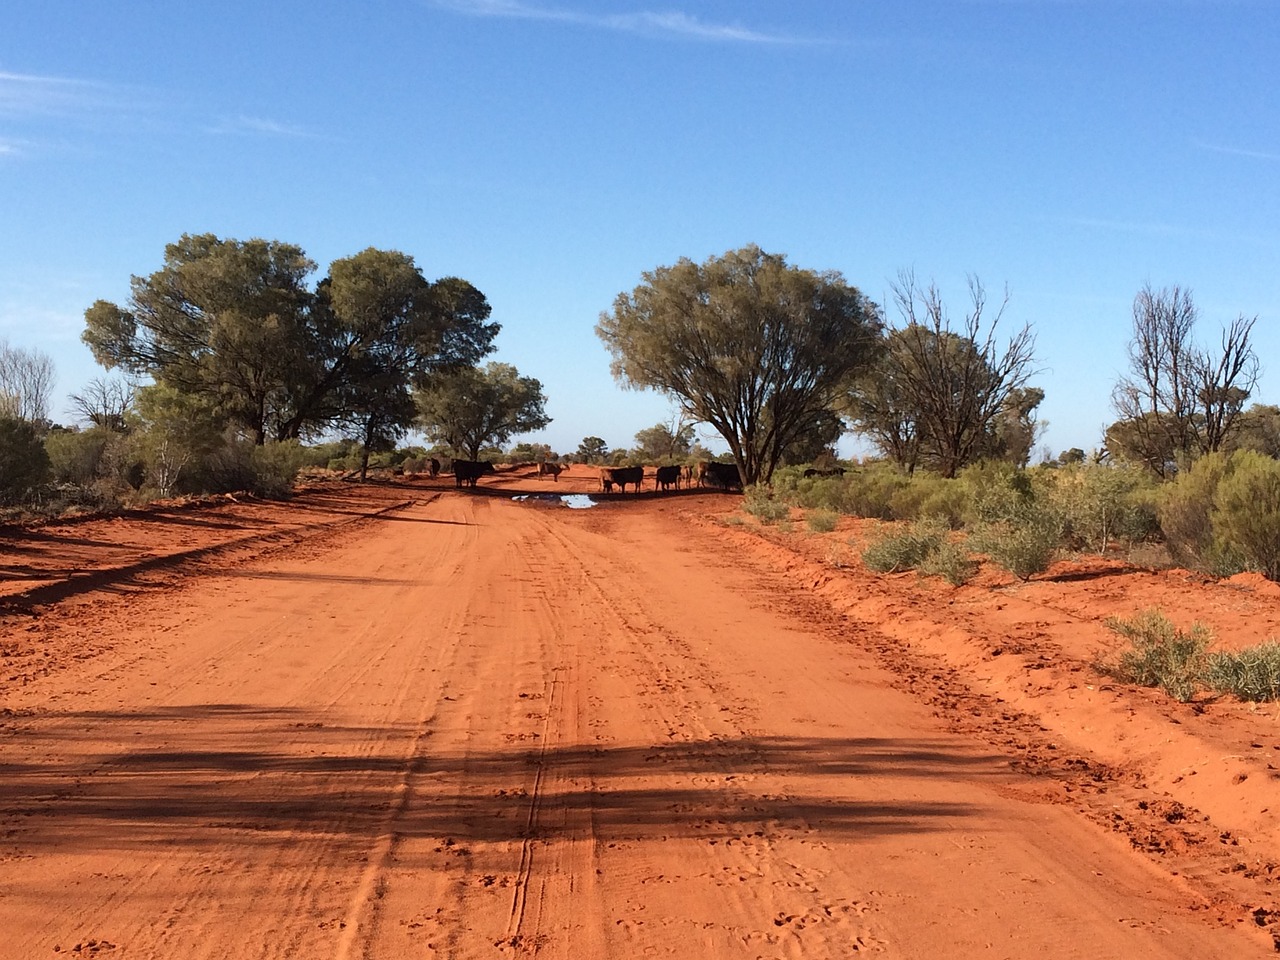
[23, 93]
[1237, 151]
[260, 126]
[646, 22]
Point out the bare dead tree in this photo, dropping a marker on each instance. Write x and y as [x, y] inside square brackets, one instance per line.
[1179, 400]
[1224, 385]
[26, 383]
[104, 403]
[954, 383]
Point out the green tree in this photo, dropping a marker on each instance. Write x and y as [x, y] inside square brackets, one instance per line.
[1258, 429]
[222, 319]
[474, 407]
[382, 328]
[664, 441]
[233, 323]
[754, 347]
[592, 450]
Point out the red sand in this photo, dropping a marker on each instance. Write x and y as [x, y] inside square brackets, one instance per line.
[399, 720]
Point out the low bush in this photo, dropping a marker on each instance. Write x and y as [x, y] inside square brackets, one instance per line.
[1160, 655]
[822, 521]
[1185, 509]
[1104, 504]
[903, 549]
[1026, 540]
[949, 561]
[1252, 674]
[24, 463]
[759, 501]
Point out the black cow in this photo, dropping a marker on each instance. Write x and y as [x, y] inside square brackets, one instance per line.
[723, 476]
[666, 477]
[830, 472]
[433, 465]
[469, 471]
[621, 476]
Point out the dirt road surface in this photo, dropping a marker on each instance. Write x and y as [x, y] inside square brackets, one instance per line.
[422, 722]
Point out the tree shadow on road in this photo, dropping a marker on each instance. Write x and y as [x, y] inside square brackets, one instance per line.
[199, 772]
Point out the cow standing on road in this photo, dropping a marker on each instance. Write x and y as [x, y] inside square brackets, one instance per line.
[552, 469]
[621, 476]
[667, 477]
[469, 471]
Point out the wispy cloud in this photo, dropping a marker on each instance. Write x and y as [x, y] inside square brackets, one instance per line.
[1236, 151]
[260, 126]
[23, 93]
[646, 22]
[1166, 231]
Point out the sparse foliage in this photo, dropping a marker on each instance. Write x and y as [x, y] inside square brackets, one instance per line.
[26, 384]
[105, 403]
[1179, 400]
[943, 398]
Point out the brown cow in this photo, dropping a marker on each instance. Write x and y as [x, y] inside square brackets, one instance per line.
[553, 469]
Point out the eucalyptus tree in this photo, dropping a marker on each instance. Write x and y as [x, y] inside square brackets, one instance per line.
[745, 342]
[468, 408]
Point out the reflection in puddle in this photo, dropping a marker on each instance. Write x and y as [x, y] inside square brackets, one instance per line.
[574, 501]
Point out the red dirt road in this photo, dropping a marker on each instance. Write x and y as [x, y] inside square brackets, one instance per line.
[417, 722]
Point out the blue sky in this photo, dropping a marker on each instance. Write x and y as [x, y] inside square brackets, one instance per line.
[550, 152]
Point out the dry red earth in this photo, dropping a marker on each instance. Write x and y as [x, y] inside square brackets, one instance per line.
[402, 720]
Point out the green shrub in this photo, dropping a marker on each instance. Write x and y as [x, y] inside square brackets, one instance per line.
[1104, 504]
[949, 561]
[996, 491]
[929, 496]
[1246, 513]
[1160, 655]
[1251, 674]
[275, 467]
[903, 549]
[1185, 511]
[1025, 541]
[822, 521]
[75, 456]
[24, 463]
[761, 504]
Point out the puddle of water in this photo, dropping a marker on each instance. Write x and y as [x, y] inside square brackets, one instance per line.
[574, 501]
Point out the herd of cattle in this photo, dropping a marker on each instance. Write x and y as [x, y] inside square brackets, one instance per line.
[719, 476]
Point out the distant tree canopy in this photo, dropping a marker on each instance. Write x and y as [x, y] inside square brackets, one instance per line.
[1179, 401]
[754, 347]
[664, 441]
[592, 450]
[942, 398]
[471, 408]
[234, 323]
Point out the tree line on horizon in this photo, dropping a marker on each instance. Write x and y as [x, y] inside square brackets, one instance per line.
[228, 347]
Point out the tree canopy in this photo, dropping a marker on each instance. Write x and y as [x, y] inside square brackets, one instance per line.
[234, 323]
[745, 342]
[469, 408]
